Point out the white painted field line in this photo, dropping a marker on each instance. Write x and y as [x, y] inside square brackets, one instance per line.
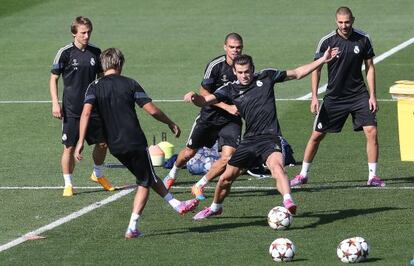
[66, 219]
[377, 59]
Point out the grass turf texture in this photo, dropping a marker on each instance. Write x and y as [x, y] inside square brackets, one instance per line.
[167, 45]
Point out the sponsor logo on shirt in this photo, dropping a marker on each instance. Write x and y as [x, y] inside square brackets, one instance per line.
[224, 78]
[259, 83]
[92, 61]
[64, 137]
[356, 49]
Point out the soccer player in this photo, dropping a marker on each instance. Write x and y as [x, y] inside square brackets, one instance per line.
[114, 96]
[346, 94]
[253, 95]
[217, 122]
[79, 65]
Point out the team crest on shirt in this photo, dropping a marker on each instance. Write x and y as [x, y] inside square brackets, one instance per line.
[224, 78]
[356, 49]
[259, 83]
[75, 64]
[319, 125]
[92, 61]
[64, 137]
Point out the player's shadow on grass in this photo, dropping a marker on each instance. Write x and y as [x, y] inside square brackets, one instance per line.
[328, 217]
[251, 221]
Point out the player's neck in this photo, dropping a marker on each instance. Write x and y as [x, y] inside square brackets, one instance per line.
[112, 72]
[229, 61]
[79, 45]
[345, 36]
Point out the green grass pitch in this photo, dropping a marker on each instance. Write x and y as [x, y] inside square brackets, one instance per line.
[167, 45]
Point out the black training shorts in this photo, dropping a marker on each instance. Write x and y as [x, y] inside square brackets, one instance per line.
[334, 113]
[70, 131]
[255, 150]
[204, 134]
[139, 164]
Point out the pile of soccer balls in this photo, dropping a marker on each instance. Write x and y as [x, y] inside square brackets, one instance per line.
[351, 250]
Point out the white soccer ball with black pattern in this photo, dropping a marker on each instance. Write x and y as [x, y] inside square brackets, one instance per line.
[282, 249]
[279, 218]
[349, 251]
[365, 248]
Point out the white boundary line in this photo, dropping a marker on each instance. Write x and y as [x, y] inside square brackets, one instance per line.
[377, 59]
[305, 97]
[125, 192]
[65, 219]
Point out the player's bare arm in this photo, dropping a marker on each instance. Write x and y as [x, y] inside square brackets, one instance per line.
[304, 70]
[370, 72]
[83, 125]
[198, 100]
[316, 76]
[53, 87]
[155, 112]
[232, 109]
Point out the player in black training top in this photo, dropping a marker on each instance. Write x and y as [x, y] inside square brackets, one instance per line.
[114, 97]
[253, 95]
[79, 65]
[346, 94]
[217, 122]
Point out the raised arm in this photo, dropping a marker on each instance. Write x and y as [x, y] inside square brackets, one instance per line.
[304, 70]
[155, 112]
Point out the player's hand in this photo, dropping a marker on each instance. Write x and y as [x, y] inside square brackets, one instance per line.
[189, 97]
[331, 53]
[78, 151]
[56, 111]
[314, 106]
[175, 129]
[232, 109]
[373, 106]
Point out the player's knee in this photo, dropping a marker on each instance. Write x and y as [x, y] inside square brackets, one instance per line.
[189, 153]
[224, 182]
[224, 159]
[316, 137]
[102, 145]
[371, 132]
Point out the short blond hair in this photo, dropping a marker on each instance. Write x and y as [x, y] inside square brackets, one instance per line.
[80, 21]
[112, 58]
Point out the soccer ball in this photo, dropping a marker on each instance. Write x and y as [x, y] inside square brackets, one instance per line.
[365, 248]
[349, 251]
[282, 249]
[279, 218]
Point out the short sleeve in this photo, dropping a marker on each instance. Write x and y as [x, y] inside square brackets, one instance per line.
[369, 49]
[211, 73]
[223, 93]
[320, 50]
[140, 96]
[60, 61]
[90, 96]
